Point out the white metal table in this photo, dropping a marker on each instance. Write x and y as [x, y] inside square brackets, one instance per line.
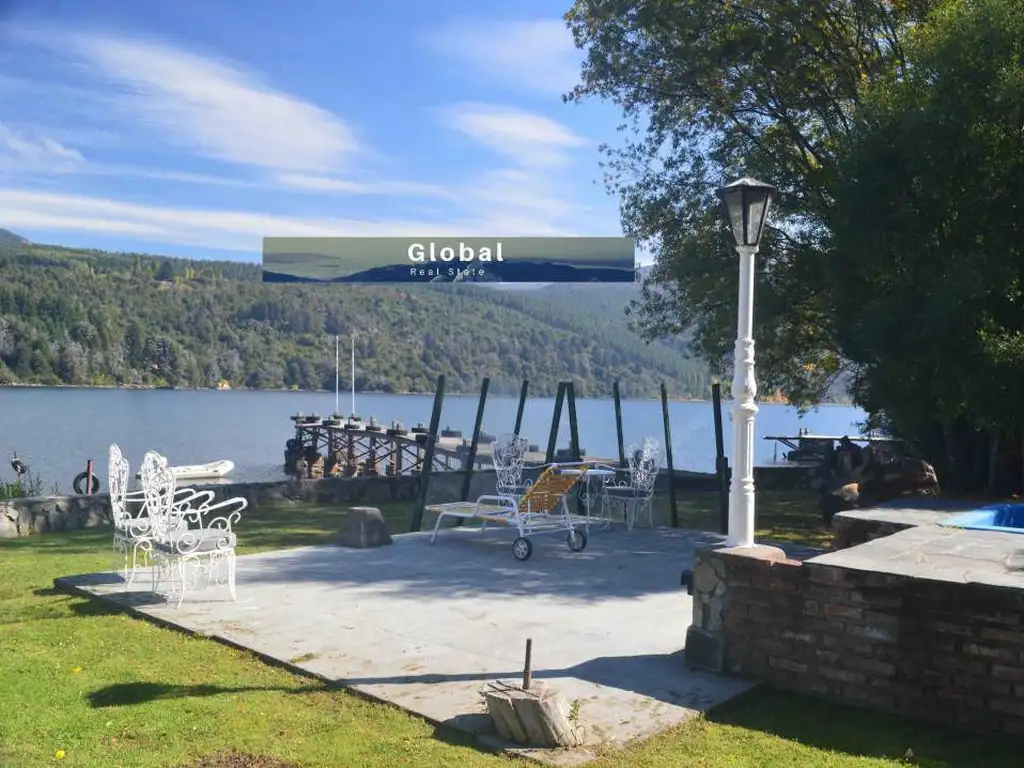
[587, 494]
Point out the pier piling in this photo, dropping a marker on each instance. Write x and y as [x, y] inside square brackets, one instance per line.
[556, 420]
[721, 463]
[428, 457]
[668, 457]
[574, 431]
[522, 406]
[471, 457]
[618, 424]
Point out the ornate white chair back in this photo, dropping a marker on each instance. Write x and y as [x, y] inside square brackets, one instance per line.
[508, 456]
[643, 465]
[158, 488]
[117, 482]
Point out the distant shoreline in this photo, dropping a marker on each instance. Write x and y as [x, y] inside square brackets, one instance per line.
[725, 398]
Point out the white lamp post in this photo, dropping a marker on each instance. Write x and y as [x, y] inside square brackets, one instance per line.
[746, 202]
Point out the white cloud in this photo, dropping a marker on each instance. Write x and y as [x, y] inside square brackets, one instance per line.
[343, 186]
[522, 193]
[528, 138]
[31, 151]
[237, 230]
[535, 55]
[211, 108]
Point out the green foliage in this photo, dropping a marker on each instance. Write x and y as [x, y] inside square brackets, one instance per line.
[893, 131]
[927, 259]
[715, 90]
[24, 487]
[91, 318]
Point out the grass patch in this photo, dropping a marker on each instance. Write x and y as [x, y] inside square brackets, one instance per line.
[99, 688]
[784, 516]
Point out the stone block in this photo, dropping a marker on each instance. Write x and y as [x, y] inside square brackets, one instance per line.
[704, 650]
[364, 528]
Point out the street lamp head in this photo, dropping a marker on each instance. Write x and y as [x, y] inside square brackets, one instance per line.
[746, 203]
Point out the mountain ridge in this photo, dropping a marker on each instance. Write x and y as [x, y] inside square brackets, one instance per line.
[142, 320]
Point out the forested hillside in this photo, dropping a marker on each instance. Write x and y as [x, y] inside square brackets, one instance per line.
[91, 317]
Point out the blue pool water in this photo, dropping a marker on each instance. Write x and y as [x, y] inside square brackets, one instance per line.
[997, 517]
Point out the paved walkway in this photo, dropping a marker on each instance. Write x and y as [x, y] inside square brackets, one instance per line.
[425, 627]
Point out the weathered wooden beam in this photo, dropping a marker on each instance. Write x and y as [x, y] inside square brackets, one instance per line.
[471, 456]
[721, 463]
[618, 424]
[522, 407]
[668, 457]
[574, 430]
[428, 457]
[556, 420]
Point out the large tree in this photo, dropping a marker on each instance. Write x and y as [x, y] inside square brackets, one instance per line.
[893, 130]
[712, 90]
[926, 265]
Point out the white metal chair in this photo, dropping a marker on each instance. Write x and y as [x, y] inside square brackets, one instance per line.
[192, 545]
[636, 495]
[509, 456]
[132, 533]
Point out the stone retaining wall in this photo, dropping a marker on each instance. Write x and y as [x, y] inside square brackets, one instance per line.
[939, 651]
[23, 517]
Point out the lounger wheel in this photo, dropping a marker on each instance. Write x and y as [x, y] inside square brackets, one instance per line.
[522, 548]
[577, 540]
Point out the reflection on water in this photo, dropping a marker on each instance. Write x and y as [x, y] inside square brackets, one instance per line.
[56, 431]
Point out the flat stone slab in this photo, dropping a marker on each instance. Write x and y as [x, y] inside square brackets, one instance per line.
[940, 554]
[426, 627]
[910, 511]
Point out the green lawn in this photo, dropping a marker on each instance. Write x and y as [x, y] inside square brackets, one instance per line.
[104, 689]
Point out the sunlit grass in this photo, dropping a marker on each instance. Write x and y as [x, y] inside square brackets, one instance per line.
[101, 689]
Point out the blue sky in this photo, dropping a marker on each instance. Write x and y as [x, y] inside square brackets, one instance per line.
[198, 128]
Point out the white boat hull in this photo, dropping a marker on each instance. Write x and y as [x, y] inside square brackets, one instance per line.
[203, 471]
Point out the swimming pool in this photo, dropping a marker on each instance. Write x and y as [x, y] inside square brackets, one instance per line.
[1008, 518]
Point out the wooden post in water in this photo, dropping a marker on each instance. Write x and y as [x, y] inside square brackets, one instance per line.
[574, 444]
[721, 463]
[618, 424]
[668, 457]
[528, 664]
[574, 431]
[522, 406]
[471, 456]
[428, 457]
[88, 478]
[556, 420]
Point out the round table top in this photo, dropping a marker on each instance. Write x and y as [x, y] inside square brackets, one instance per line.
[595, 472]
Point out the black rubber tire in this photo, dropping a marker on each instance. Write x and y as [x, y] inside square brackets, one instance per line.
[293, 444]
[577, 540]
[80, 480]
[522, 548]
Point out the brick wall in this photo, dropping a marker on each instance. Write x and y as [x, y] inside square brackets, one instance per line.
[939, 651]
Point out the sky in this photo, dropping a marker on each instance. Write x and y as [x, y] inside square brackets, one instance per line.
[197, 128]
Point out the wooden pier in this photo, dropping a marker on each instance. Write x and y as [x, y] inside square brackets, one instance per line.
[338, 445]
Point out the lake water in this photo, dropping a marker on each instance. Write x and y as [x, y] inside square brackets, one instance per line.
[55, 430]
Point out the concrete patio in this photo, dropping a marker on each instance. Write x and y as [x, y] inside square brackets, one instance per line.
[426, 627]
